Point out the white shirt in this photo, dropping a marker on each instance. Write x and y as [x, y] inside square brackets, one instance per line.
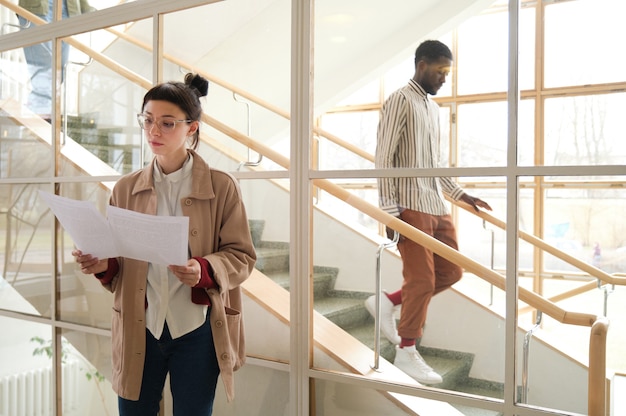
[168, 299]
[408, 137]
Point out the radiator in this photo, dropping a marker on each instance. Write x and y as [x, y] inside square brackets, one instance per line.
[29, 393]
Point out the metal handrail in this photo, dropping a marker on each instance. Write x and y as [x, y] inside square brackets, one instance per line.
[249, 134]
[67, 64]
[605, 288]
[526, 352]
[378, 294]
[492, 258]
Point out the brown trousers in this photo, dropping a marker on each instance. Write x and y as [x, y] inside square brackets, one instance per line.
[425, 273]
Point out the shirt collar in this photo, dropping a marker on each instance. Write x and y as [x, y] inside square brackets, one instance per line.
[176, 176]
[417, 88]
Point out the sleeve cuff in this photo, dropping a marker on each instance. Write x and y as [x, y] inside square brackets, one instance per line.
[112, 269]
[206, 274]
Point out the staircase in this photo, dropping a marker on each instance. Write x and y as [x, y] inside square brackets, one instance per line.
[346, 309]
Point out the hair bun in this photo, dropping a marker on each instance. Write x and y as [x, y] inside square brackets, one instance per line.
[198, 83]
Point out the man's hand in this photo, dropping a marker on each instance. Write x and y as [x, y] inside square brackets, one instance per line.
[475, 202]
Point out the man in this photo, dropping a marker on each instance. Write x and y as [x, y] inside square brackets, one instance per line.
[408, 137]
[39, 56]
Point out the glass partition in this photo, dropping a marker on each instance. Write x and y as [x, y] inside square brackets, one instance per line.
[82, 300]
[86, 374]
[268, 289]
[26, 227]
[26, 378]
[248, 68]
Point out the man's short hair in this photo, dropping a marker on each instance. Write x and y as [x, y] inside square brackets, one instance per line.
[431, 50]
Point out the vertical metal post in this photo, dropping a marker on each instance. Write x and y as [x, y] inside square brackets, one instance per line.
[378, 294]
[527, 339]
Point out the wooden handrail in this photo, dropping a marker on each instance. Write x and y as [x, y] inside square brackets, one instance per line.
[597, 367]
[537, 242]
[596, 401]
[242, 93]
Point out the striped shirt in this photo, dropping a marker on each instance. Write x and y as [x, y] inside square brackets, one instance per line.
[408, 137]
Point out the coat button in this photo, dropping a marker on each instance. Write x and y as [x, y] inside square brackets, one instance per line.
[219, 324]
[194, 233]
[225, 356]
[188, 202]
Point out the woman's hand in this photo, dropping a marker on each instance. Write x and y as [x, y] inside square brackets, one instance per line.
[189, 275]
[90, 264]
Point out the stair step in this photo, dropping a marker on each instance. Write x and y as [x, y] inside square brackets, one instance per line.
[272, 257]
[346, 309]
[346, 313]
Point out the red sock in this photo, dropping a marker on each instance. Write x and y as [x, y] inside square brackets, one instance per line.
[407, 342]
[395, 297]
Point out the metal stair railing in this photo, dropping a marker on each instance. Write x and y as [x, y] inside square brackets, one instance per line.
[381, 248]
[526, 352]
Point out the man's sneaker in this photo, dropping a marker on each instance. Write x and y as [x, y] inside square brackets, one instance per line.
[387, 320]
[411, 362]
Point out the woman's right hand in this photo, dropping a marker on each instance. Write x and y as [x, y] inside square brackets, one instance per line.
[89, 264]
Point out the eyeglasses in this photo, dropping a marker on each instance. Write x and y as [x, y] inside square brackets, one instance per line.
[165, 124]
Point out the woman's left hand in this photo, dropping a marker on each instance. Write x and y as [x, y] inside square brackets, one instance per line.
[189, 275]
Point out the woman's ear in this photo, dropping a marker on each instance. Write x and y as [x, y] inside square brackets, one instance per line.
[193, 127]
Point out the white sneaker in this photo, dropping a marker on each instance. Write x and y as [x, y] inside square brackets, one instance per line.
[411, 362]
[387, 320]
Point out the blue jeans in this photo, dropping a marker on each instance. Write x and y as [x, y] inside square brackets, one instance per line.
[192, 365]
[39, 62]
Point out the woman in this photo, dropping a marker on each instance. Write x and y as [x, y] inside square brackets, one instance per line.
[178, 319]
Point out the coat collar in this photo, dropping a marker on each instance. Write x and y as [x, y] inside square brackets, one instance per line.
[201, 183]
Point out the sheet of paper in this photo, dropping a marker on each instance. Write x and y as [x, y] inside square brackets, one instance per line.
[87, 227]
[156, 239]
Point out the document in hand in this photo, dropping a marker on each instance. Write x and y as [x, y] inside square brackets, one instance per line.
[124, 233]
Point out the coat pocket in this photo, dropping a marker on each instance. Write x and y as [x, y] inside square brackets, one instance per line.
[236, 336]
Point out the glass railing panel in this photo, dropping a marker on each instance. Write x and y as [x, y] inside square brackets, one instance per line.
[226, 58]
[86, 375]
[100, 110]
[25, 368]
[349, 398]
[26, 227]
[27, 85]
[267, 291]
[25, 150]
[565, 348]
[484, 241]
[353, 129]
[348, 258]
[82, 300]
[260, 390]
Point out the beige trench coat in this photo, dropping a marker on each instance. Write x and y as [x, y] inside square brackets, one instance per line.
[215, 200]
